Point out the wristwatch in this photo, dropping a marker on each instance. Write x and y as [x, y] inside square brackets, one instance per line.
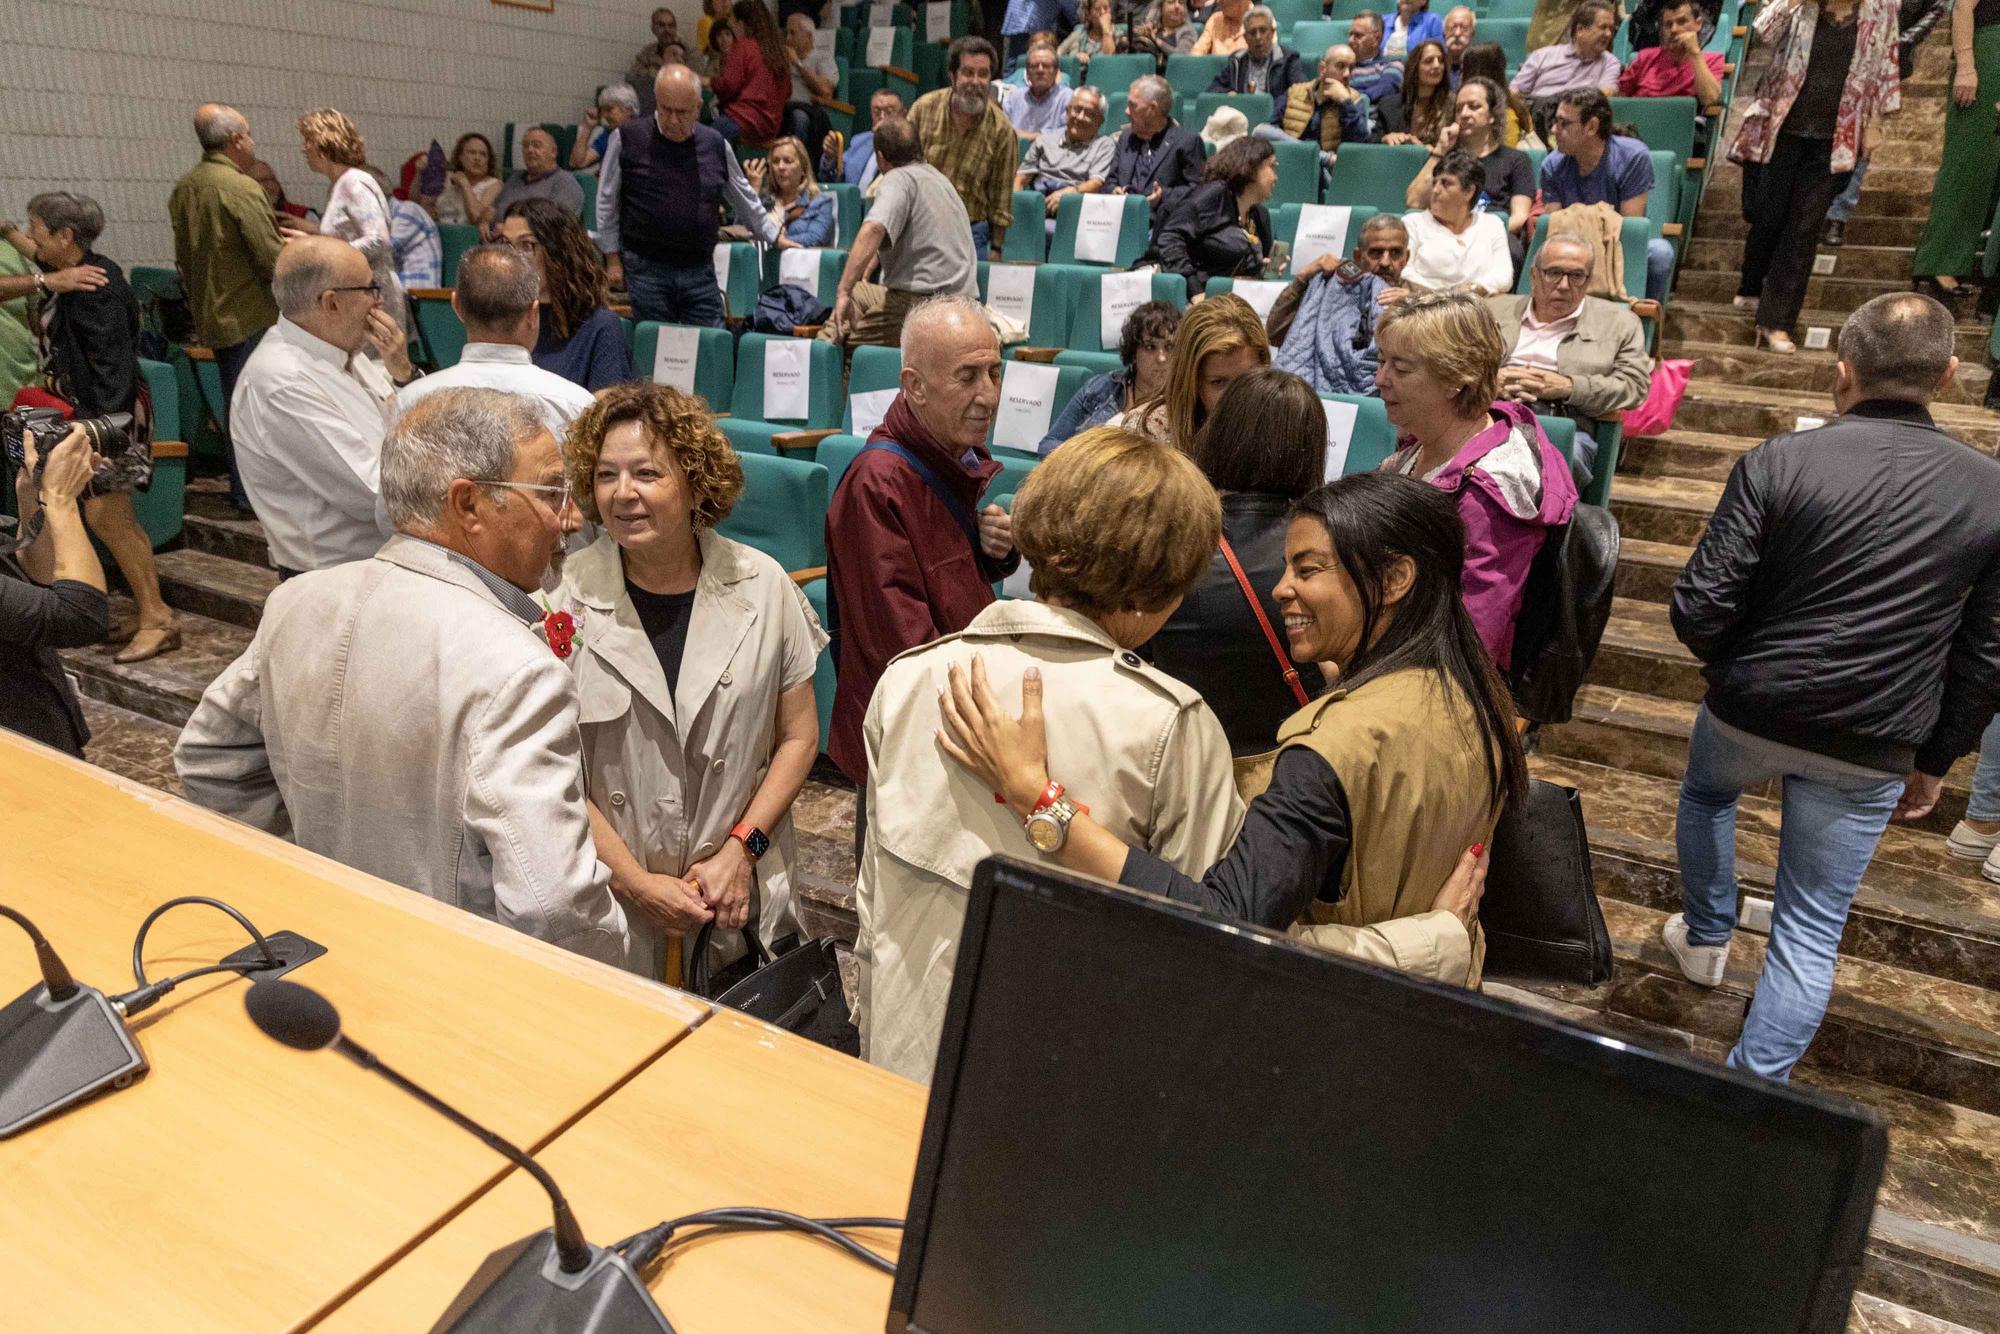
[1047, 824]
[754, 840]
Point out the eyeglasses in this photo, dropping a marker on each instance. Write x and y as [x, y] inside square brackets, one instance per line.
[373, 289]
[560, 490]
[1564, 277]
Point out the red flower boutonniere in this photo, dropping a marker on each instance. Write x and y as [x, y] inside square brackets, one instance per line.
[559, 629]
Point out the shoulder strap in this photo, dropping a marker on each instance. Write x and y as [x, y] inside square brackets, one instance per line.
[960, 513]
[1285, 667]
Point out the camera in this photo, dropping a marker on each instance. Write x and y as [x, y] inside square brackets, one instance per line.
[47, 427]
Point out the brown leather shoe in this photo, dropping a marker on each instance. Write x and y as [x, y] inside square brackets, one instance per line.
[150, 642]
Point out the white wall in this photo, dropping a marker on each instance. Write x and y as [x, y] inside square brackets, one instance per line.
[99, 97]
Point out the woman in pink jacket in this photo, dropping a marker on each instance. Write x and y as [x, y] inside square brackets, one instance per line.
[1438, 378]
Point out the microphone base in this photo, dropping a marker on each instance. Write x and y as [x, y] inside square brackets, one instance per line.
[521, 1289]
[55, 1054]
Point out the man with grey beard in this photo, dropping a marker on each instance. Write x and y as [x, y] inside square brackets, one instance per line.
[968, 137]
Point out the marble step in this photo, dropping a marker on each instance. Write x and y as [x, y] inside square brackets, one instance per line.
[131, 745]
[1696, 455]
[1853, 260]
[165, 688]
[1692, 321]
[1672, 510]
[1640, 654]
[212, 524]
[1759, 412]
[1647, 570]
[215, 586]
[1891, 191]
[1863, 229]
[1806, 370]
[1834, 293]
[1648, 734]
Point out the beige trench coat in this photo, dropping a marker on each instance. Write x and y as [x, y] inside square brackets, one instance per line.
[673, 772]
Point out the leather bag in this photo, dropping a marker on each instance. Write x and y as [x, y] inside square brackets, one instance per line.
[798, 991]
[1540, 911]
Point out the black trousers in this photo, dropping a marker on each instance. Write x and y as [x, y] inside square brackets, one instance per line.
[1785, 202]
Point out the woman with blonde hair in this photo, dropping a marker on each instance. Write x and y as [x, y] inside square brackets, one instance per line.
[357, 208]
[1219, 339]
[784, 182]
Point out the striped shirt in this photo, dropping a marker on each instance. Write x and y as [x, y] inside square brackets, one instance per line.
[980, 165]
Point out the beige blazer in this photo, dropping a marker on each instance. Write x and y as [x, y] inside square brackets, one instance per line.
[1604, 356]
[673, 772]
[1139, 747]
[391, 714]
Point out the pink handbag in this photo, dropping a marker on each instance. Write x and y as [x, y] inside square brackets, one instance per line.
[1656, 415]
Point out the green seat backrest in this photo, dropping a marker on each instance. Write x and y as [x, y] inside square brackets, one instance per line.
[1014, 469]
[1114, 110]
[588, 181]
[1085, 287]
[782, 511]
[1134, 228]
[1290, 12]
[1375, 174]
[1048, 318]
[900, 47]
[1298, 173]
[455, 238]
[154, 282]
[1027, 241]
[1312, 37]
[834, 454]
[1189, 76]
[1069, 379]
[1509, 9]
[827, 274]
[162, 384]
[1374, 439]
[1633, 235]
[1665, 123]
[1512, 34]
[1343, 11]
[442, 331]
[1255, 106]
[714, 362]
[874, 370]
[1115, 73]
[739, 294]
[1663, 201]
[1097, 363]
[849, 208]
[1561, 432]
[823, 394]
[1072, 69]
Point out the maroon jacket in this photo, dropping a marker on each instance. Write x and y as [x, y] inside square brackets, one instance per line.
[900, 571]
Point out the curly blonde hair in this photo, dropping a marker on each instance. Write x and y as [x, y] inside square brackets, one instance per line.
[680, 429]
[334, 137]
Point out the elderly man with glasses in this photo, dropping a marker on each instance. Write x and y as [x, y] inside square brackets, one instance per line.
[1567, 352]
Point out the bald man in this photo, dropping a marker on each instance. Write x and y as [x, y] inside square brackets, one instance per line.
[660, 190]
[226, 247]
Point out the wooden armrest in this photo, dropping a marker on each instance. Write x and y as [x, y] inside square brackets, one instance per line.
[1739, 31]
[835, 104]
[1646, 310]
[1713, 111]
[806, 330]
[622, 311]
[1696, 164]
[804, 577]
[800, 439]
[1041, 354]
[438, 293]
[170, 449]
[1670, 229]
[196, 352]
[897, 72]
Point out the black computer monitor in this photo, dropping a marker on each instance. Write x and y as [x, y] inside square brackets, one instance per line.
[1147, 1118]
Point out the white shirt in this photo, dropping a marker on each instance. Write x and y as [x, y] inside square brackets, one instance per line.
[508, 367]
[307, 421]
[1440, 259]
[1538, 342]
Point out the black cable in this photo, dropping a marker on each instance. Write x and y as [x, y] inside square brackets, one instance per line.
[642, 1248]
[271, 959]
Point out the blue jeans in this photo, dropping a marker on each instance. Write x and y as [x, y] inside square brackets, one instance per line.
[673, 296]
[980, 231]
[229, 364]
[728, 129]
[1659, 267]
[1984, 803]
[1834, 815]
[1843, 209]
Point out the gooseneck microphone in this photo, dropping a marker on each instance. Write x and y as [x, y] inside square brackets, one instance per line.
[55, 975]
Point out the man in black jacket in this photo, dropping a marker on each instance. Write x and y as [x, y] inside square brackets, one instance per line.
[1262, 66]
[1845, 604]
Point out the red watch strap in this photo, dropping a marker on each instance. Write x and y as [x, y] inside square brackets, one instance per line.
[741, 833]
[1050, 796]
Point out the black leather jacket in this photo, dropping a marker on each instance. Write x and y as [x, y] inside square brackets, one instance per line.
[1201, 237]
[1846, 598]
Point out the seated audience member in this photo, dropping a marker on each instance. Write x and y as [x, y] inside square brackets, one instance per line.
[1218, 340]
[755, 79]
[1677, 67]
[1072, 160]
[1417, 112]
[1507, 178]
[1262, 66]
[648, 59]
[1326, 111]
[497, 299]
[1146, 347]
[1460, 25]
[694, 662]
[357, 207]
[1453, 245]
[539, 177]
[1488, 60]
[714, 51]
[1323, 323]
[413, 239]
[918, 228]
[714, 16]
[89, 341]
[51, 597]
[616, 104]
[785, 186]
[1263, 449]
[308, 414]
[581, 339]
[1223, 35]
[1439, 379]
[1168, 25]
[470, 187]
[910, 553]
[1364, 831]
[1017, 72]
[1116, 530]
[1568, 353]
[857, 165]
[1375, 74]
[1221, 227]
[815, 73]
[1155, 157]
[1645, 25]
[1095, 34]
[1585, 61]
[1039, 106]
[1412, 25]
[1591, 165]
[343, 726]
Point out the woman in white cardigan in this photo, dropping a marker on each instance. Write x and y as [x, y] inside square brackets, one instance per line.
[1452, 246]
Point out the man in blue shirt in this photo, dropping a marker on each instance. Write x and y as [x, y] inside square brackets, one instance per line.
[857, 166]
[1593, 166]
[1040, 105]
[1373, 75]
[1026, 17]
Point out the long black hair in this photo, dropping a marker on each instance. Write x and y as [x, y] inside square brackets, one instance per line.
[1373, 518]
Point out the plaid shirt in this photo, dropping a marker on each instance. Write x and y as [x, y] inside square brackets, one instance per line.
[980, 164]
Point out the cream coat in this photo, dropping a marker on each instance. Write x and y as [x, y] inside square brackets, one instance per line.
[1138, 746]
[674, 772]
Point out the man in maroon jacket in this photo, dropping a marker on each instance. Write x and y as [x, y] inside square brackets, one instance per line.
[910, 553]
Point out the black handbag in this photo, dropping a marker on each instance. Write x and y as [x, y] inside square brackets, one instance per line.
[1540, 911]
[798, 991]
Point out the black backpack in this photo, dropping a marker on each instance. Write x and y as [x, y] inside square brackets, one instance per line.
[1564, 609]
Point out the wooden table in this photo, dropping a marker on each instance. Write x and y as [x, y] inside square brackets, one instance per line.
[240, 1184]
[738, 1113]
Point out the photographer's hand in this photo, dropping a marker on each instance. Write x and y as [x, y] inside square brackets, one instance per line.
[64, 550]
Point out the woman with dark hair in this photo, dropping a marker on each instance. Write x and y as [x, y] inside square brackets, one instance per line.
[1507, 180]
[1220, 228]
[755, 79]
[1379, 789]
[581, 339]
[1452, 244]
[1263, 448]
[1146, 347]
[470, 187]
[1488, 60]
[1417, 112]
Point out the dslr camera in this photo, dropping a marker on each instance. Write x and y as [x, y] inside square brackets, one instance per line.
[46, 427]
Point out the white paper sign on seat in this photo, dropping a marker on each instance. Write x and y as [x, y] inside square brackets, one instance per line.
[1121, 294]
[1260, 294]
[881, 43]
[1339, 434]
[799, 267]
[1027, 402]
[674, 357]
[1099, 219]
[722, 270]
[867, 409]
[937, 19]
[823, 38]
[1322, 231]
[881, 14]
[787, 379]
[1010, 290]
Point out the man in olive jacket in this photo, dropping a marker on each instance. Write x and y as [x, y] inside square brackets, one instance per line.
[1845, 605]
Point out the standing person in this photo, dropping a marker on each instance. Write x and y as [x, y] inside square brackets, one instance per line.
[1262, 66]
[815, 76]
[1591, 165]
[470, 187]
[1155, 157]
[357, 208]
[1975, 837]
[226, 248]
[1375, 74]
[1962, 196]
[1845, 604]
[755, 80]
[1223, 35]
[857, 165]
[1024, 18]
[1584, 61]
[659, 193]
[1832, 72]
[968, 137]
[1040, 105]
[917, 229]
[51, 597]
[1507, 179]
[1417, 112]
[1914, 21]
[580, 337]
[540, 177]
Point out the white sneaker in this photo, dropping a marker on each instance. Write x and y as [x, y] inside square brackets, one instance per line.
[1700, 964]
[1969, 844]
[1991, 870]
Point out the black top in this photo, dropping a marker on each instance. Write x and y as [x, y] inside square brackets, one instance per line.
[1172, 159]
[665, 617]
[36, 698]
[1508, 173]
[1817, 106]
[94, 344]
[1213, 642]
[1291, 850]
[1986, 13]
[1200, 235]
[670, 194]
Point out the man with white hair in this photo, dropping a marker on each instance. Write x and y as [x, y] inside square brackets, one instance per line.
[307, 416]
[616, 104]
[1155, 157]
[814, 75]
[1072, 160]
[400, 715]
[1461, 25]
[1262, 66]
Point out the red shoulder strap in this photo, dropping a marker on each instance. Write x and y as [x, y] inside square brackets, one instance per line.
[1285, 667]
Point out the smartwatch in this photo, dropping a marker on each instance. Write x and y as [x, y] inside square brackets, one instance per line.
[755, 840]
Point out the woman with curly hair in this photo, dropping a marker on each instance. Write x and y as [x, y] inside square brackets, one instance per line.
[755, 79]
[581, 339]
[694, 660]
[1218, 340]
[357, 209]
[1417, 112]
